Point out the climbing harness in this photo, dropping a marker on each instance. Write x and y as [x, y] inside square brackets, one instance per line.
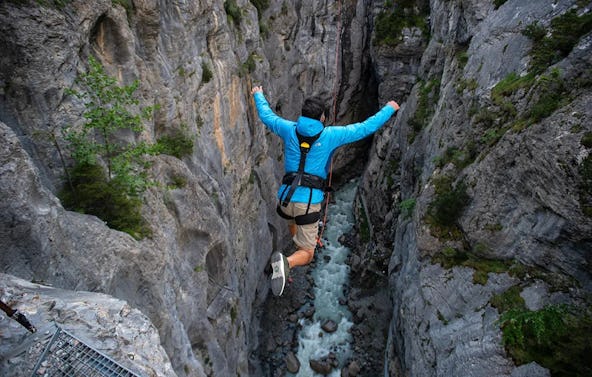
[301, 178]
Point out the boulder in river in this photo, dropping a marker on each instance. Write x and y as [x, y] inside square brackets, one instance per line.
[292, 363]
[329, 326]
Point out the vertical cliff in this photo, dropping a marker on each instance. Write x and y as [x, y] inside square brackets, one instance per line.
[479, 192]
[488, 160]
[200, 273]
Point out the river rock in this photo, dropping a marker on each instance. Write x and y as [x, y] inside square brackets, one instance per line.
[353, 369]
[292, 363]
[322, 366]
[308, 313]
[329, 326]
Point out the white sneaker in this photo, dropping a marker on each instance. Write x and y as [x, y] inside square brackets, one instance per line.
[280, 269]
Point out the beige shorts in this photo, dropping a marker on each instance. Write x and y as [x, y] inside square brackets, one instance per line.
[306, 235]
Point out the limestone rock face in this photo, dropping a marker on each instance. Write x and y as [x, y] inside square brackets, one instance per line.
[200, 276]
[108, 325]
[523, 187]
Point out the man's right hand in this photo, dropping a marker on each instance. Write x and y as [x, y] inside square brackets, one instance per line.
[256, 89]
[394, 105]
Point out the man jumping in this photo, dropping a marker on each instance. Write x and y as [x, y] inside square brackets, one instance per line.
[308, 147]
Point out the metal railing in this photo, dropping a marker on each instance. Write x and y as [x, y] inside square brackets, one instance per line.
[66, 355]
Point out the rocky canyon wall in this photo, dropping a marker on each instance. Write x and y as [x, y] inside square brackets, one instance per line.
[200, 275]
[461, 126]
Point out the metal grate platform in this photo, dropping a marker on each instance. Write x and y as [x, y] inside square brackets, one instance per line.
[66, 355]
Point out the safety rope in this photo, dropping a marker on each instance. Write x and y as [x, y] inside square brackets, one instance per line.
[334, 109]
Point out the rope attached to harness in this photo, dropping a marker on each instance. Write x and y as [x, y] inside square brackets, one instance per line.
[335, 90]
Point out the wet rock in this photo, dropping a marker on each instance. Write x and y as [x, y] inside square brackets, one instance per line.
[292, 363]
[308, 313]
[271, 344]
[293, 318]
[353, 369]
[322, 366]
[329, 326]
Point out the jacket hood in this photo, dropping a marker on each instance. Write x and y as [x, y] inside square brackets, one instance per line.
[308, 126]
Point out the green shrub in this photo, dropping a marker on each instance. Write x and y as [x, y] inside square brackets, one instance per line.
[261, 6]
[112, 193]
[463, 57]
[126, 4]
[508, 300]
[178, 145]
[90, 192]
[178, 181]
[461, 158]
[566, 31]
[233, 12]
[449, 204]
[407, 206]
[206, 73]
[499, 3]
[552, 95]
[250, 65]
[556, 337]
[509, 85]
[585, 170]
[389, 24]
[587, 140]
[428, 95]
[450, 257]
[540, 326]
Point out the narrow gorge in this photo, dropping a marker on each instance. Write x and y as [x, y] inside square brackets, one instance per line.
[473, 211]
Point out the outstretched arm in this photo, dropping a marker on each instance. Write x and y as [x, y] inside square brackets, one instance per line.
[276, 124]
[358, 131]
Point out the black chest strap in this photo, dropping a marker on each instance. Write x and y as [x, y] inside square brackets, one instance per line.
[305, 143]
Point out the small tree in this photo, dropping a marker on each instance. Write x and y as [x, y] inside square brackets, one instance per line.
[108, 176]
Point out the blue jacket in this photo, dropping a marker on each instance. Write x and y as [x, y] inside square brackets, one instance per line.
[319, 156]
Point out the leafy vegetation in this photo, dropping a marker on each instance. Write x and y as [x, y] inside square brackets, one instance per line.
[363, 224]
[126, 4]
[566, 31]
[462, 56]
[448, 205]
[250, 65]
[544, 93]
[233, 12]
[407, 206]
[587, 140]
[92, 193]
[206, 73]
[461, 158]
[390, 23]
[450, 257]
[499, 3]
[510, 299]
[261, 6]
[556, 337]
[177, 182]
[108, 176]
[586, 186]
[178, 144]
[428, 96]
[509, 85]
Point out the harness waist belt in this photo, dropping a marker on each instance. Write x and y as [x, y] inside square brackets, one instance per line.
[307, 218]
[308, 180]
